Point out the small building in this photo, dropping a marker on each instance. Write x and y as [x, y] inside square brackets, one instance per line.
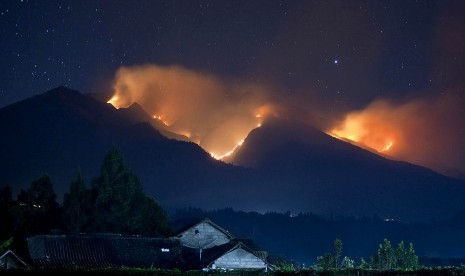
[208, 246]
[9, 260]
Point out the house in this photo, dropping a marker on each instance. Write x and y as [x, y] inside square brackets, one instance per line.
[208, 246]
[9, 260]
[97, 251]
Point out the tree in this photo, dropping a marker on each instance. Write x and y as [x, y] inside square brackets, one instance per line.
[401, 254]
[386, 256]
[121, 206]
[406, 257]
[36, 210]
[155, 219]
[348, 262]
[76, 206]
[334, 261]
[326, 261]
[337, 252]
[41, 193]
[411, 258]
[285, 266]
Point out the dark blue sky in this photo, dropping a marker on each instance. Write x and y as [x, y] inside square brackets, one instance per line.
[346, 52]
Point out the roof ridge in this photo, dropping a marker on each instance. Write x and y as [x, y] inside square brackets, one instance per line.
[209, 221]
[14, 255]
[218, 227]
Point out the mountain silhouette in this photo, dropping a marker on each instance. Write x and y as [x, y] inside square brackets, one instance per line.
[63, 131]
[338, 177]
[282, 166]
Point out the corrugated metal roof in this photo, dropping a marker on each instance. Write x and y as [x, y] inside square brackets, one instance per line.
[104, 251]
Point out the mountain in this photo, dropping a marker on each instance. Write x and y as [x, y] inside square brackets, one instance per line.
[63, 131]
[282, 166]
[136, 114]
[333, 176]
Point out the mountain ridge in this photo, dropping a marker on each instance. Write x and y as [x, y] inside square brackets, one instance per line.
[339, 168]
[298, 169]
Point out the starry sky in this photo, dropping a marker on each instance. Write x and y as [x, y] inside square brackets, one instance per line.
[347, 52]
[336, 56]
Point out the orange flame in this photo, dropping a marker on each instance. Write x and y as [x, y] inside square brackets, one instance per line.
[160, 118]
[387, 147]
[210, 112]
[219, 157]
[415, 131]
[369, 128]
[114, 101]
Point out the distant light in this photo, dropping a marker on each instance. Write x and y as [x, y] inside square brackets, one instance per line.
[165, 250]
[336, 61]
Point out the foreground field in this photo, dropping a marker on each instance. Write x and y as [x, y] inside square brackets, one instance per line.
[143, 272]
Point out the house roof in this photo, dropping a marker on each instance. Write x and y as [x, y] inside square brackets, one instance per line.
[103, 250]
[206, 220]
[10, 253]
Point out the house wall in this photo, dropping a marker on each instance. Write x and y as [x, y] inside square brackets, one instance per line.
[203, 236]
[238, 258]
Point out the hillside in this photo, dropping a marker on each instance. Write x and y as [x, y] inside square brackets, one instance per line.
[337, 177]
[282, 166]
[63, 131]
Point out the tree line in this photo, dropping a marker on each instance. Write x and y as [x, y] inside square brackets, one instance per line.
[114, 203]
[386, 258]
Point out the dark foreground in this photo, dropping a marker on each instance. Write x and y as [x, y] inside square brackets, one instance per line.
[357, 272]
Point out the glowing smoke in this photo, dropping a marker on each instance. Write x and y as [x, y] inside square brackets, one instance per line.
[375, 127]
[218, 114]
[429, 132]
[214, 113]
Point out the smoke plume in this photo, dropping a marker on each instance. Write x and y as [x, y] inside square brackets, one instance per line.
[219, 113]
[215, 113]
[428, 132]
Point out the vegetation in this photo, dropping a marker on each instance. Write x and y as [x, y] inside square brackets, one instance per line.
[119, 204]
[115, 203]
[334, 261]
[76, 206]
[388, 257]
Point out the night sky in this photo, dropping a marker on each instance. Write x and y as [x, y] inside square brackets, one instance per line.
[332, 57]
